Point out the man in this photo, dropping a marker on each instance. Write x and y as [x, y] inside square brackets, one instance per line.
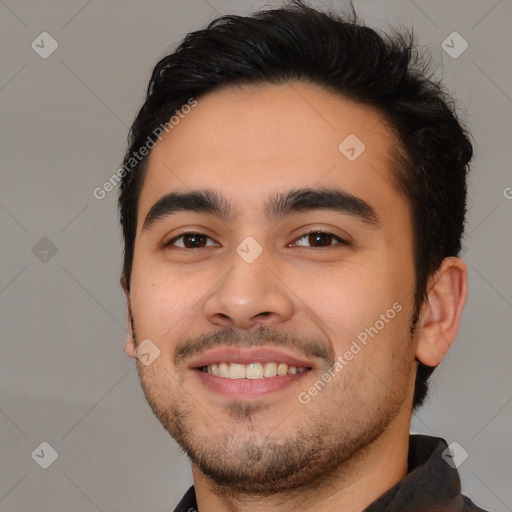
[292, 204]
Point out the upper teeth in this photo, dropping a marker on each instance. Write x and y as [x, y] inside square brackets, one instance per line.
[251, 371]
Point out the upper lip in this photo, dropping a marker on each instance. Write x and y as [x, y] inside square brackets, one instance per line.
[247, 355]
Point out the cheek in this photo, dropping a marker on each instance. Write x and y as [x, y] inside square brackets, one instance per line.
[351, 298]
[161, 305]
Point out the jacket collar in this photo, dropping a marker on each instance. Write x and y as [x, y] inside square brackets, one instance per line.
[430, 485]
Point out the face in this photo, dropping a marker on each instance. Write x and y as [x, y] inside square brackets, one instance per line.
[276, 282]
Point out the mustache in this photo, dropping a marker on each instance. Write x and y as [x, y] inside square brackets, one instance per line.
[260, 336]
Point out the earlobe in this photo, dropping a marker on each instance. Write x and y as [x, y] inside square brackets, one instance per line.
[129, 349]
[441, 313]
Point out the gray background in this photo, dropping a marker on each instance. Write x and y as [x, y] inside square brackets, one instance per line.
[64, 378]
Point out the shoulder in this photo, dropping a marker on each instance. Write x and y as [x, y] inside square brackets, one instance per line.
[469, 506]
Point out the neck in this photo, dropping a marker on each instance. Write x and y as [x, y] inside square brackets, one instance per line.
[351, 488]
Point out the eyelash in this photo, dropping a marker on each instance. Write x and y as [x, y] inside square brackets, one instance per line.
[314, 232]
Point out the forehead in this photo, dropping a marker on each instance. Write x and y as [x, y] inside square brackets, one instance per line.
[250, 141]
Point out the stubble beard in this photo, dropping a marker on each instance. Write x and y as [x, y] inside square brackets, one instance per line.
[332, 432]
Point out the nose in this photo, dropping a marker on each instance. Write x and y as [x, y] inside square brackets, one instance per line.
[249, 294]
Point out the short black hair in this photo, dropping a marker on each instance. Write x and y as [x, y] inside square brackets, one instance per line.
[387, 72]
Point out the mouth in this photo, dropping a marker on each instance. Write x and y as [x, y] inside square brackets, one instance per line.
[249, 373]
[252, 371]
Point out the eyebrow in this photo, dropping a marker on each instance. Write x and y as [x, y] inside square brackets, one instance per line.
[277, 207]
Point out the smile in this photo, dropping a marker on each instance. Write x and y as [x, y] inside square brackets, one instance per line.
[252, 371]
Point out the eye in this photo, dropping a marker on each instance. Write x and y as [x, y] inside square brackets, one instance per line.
[191, 241]
[319, 239]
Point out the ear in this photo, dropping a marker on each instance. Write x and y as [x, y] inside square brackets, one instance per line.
[441, 313]
[129, 345]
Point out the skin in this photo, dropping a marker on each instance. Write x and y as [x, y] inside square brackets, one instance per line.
[349, 444]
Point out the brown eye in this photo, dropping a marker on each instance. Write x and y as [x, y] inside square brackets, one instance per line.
[319, 239]
[191, 241]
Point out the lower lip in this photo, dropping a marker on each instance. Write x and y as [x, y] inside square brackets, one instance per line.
[248, 388]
